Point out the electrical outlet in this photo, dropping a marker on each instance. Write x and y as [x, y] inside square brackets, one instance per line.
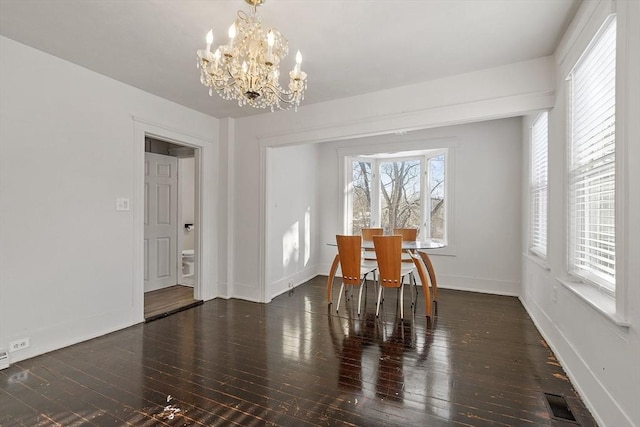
[554, 294]
[18, 345]
[4, 359]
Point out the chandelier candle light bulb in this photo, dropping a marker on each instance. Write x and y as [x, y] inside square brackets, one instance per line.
[298, 63]
[232, 33]
[270, 40]
[247, 69]
[209, 40]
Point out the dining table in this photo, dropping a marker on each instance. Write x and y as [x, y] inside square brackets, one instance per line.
[415, 247]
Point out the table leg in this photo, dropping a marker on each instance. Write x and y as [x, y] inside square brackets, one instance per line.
[332, 274]
[425, 286]
[432, 274]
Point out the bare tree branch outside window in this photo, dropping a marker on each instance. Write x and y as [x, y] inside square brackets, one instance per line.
[400, 188]
[361, 208]
[401, 195]
[437, 196]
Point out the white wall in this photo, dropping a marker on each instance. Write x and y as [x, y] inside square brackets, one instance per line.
[484, 200]
[67, 150]
[600, 355]
[292, 216]
[488, 94]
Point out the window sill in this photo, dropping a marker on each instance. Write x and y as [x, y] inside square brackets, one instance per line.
[602, 303]
[448, 250]
[537, 260]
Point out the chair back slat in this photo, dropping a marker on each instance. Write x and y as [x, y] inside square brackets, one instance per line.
[367, 236]
[389, 256]
[349, 251]
[368, 233]
[408, 234]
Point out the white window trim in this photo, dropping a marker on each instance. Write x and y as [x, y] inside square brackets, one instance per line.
[571, 49]
[573, 276]
[348, 191]
[531, 250]
[586, 24]
[448, 144]
[376, 161]
[601, 302]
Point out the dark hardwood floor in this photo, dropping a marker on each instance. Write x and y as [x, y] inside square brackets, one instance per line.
[294, 362]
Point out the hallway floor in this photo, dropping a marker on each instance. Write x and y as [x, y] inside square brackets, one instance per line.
[163, 302]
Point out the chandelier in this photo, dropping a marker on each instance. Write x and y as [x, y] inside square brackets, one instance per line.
[247, 68]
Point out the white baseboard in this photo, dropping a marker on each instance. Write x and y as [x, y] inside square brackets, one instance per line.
[479, 284]
[222, 291]
[75, 331]
[292, 281]
[246, 291]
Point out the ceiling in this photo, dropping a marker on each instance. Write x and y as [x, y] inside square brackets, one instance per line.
[350, 47]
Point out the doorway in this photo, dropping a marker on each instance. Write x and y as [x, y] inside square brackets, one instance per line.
[170, 228]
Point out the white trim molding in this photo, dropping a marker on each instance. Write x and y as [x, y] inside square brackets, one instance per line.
[206, 193]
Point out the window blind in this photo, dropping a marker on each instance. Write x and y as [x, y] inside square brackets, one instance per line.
[592, 162]
[538, 194]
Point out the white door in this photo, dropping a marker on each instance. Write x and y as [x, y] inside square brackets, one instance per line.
[160, 221]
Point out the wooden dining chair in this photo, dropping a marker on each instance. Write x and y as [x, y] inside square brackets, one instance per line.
[408, 235]
[367, 235]
[391, 270]
[412, 234]
[353, 272]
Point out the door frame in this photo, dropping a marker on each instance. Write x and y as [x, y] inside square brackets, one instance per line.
[206, 191]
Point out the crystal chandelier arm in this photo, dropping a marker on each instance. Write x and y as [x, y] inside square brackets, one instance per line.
[247, 69]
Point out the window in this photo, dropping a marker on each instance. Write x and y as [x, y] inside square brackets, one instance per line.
[404, 190]
[361, 194]
[538, 194]
[400, 193]
[592, 162]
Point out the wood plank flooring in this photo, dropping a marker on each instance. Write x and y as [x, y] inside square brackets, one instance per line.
[164, 302]
[295, 362]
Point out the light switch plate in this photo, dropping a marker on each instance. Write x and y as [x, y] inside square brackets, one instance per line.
[122, 204]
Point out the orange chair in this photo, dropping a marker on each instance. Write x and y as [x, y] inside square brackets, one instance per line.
[353, 272]
[391, 270]
[368, 233]
[367, 236]
[408, 235]
[411, 234]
